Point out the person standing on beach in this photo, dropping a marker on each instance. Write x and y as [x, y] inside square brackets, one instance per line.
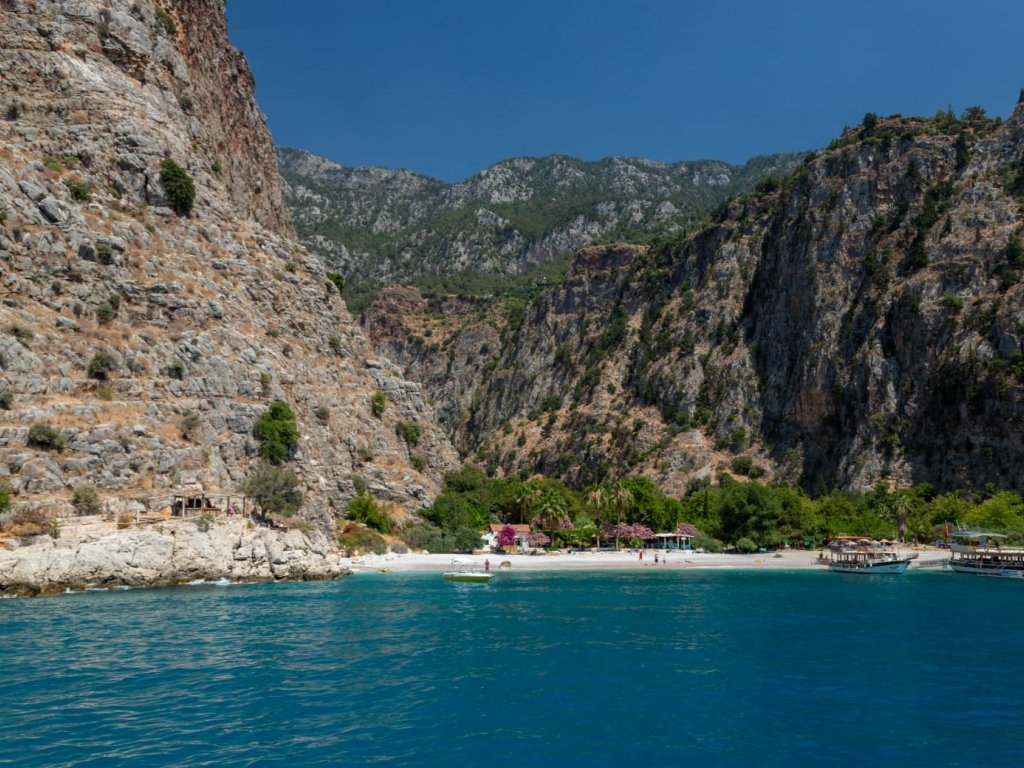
[641, 555]
[487, 566]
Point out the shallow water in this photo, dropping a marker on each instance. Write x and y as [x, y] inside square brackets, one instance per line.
[537, 669]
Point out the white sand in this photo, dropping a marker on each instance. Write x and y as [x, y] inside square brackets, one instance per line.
[625, 559]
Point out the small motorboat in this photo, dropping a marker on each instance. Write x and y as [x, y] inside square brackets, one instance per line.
[467, 576]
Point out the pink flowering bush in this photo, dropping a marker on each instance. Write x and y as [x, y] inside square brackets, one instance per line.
[537, 539]
[506, 537]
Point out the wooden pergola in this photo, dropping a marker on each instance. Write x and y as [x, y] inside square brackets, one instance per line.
[187, 505]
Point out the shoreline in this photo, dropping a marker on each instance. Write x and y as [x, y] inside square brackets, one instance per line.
[622, 560]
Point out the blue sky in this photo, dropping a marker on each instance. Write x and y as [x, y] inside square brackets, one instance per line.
[448, 87]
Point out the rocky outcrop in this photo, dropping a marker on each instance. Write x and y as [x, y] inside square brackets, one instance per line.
[151, 339]
[173, 553]
[859, 322]
[380, 226]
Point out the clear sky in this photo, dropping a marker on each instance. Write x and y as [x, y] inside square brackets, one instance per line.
[448, 87]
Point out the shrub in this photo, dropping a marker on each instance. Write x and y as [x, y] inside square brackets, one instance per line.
[57, 287]
[21, 333]
[105, 313]
[322, 414]
[45, 436]
[1015, 252]
[32, 522]
[165, 22]
[706, 543]
[277, 432]
[6, 491]
[377, 403]
[6, 399]
[746, 545]
[80, 191]
[86, 499]
[408, 431]
[101, 365]
[275, 490]
[335, 344]
[177, 370]
[742, 465]
[178, 186]
[186, 102]
[105, 253]
[106, 392]
[364, 509]
[418, 462]
[337, 280]
[356, 539]
[189, 422]
[424, 535]
[13, 111]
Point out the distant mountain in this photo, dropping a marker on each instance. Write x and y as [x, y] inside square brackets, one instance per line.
[378, 226]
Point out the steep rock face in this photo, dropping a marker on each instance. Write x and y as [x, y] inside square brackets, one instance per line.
[377, 226]
[121, 318]
[860, 322]
[449, 342]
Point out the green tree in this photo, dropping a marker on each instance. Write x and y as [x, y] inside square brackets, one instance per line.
[366, 510]
[378, 402]
[622, 498]
[275, 490]
[277, 432]
[178, 186]
[86, 499]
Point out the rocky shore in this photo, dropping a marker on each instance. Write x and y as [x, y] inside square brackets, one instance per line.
[95, 554]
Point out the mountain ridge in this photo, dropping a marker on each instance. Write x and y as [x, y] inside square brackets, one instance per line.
[379, 226]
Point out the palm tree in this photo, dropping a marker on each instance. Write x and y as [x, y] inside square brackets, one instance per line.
[623, 499]
[596, 504]
[524, 498]
[550, 512]
[903, 506]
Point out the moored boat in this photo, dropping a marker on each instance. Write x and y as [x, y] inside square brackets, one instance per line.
[981, 553]
[853, 555]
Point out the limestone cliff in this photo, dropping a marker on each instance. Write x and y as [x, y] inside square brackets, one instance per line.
[151, 341]
[861, 321]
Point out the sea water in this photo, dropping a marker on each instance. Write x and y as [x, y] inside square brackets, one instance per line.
[533, 669]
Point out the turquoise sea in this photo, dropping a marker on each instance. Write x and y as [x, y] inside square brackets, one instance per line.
[533, 669]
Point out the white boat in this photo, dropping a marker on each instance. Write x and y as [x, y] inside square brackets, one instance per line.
[467, 575]
[981, 553]
[853, 555]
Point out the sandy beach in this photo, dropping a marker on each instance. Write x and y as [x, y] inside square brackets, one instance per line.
[625, 559]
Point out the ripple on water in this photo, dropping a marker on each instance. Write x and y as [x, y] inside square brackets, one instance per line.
[592, 669]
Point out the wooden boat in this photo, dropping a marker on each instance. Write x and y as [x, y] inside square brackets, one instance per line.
[854, 555]
[467, 576]
[981, 553]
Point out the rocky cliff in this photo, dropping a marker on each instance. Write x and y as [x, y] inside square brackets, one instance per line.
[861, 321]
[379, 226]
[148, 337]
[93, 555]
